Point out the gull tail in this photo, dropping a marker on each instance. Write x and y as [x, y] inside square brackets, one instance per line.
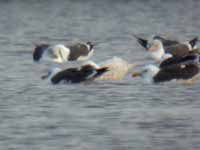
[141, 41]
[194, 41]
[101, 71]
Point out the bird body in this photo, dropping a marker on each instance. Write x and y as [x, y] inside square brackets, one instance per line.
[74, 75]
[167, 42]
[60, 53]
[118, 68]
[184, 70]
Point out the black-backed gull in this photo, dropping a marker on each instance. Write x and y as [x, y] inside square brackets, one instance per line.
[60, 53]
[74, 75]
[157, 51]
[154, 74]
[167, 43]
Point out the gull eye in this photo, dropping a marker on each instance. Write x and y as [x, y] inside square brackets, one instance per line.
[145, 71]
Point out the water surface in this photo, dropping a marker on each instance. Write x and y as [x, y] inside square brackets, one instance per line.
[123, 115]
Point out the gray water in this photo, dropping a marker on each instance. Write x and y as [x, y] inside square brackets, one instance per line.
[122, 115]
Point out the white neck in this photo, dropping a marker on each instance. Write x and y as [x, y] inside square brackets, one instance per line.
[159, 53]
[150, 73]
[61, 52]
[189, 46]
[88, 46]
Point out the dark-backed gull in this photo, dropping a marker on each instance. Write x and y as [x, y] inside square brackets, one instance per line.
[60, 53]
[74, 75]
[182, 71]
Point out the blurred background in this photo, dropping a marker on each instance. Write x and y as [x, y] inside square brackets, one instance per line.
[122, 115]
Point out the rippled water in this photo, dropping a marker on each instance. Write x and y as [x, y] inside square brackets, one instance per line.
[122, 115]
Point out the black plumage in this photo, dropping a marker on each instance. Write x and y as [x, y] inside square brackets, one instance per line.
[178, 50]
[178, 71]
[173, 47]
[143, 42]
[193, 42]
[166, 42]
[181, 49]
[179, 60]
[78, 50]
[76, 75]
[38, 51]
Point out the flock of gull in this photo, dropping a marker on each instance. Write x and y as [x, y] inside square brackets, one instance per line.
[172, 60]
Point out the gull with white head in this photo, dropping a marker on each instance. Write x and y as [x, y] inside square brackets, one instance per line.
[181, 71]
[60, 53]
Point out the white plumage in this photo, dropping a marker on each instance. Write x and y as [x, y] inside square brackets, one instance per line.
[118, 68]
